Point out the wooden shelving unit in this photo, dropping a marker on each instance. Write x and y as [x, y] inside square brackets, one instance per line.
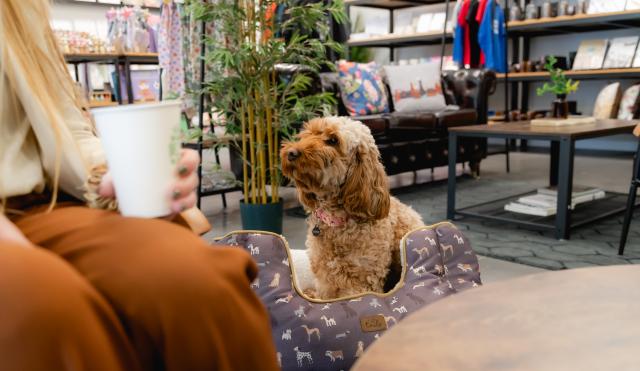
[122, 62]
[599, 74]
[138, 58]
[104, 5]
[575, 23]
[426, 38]
[393, 41]
[390, 4]
[520, 33]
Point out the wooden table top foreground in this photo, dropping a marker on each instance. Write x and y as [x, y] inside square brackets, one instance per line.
[579, 319]
[524, 128]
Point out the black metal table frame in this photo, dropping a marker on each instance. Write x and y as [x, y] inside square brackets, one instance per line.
[560, 175]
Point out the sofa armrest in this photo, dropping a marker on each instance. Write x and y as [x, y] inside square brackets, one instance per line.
[329, 81]
[470, 88]
[461, 117]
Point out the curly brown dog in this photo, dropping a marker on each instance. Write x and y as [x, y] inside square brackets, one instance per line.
[354, 226]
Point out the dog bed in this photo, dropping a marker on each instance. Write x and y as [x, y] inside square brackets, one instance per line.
[313, 334]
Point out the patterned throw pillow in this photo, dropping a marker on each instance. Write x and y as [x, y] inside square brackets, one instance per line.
[363, 91]
[629, 103]
[416, 87]
[607, 102]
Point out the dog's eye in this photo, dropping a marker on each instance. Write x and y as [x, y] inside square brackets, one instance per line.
[332, 141]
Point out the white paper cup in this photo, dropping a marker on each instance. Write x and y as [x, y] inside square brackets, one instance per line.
[142, 145]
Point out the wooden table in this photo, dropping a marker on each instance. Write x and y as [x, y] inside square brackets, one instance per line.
[560, 173]
[580, 319]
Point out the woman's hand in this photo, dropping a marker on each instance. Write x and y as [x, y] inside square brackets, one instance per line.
[182, 195]
[9, 233]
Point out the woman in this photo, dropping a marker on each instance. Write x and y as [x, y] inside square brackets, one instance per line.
[86, 289]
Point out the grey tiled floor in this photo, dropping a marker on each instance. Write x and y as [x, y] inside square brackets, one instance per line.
[527, 170]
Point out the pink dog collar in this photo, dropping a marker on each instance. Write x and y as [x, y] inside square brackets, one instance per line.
[330, 219]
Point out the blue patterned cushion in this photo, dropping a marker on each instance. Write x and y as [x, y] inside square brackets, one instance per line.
[363, 91]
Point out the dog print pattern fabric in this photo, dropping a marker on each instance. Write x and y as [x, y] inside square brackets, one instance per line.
[331, 335]
[363, 92]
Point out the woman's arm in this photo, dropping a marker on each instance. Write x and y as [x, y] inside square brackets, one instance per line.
[72, 151]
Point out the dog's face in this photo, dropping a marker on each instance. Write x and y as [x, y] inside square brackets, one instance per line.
[336, 160]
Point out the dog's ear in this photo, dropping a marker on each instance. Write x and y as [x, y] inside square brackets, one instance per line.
[365, 194]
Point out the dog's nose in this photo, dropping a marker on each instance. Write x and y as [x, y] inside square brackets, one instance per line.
[293, 154]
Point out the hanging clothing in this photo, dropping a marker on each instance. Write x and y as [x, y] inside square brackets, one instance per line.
[170, 50]
[492, 37]
[460, 47]
[458, 35]
[481, 11]
[472, 60]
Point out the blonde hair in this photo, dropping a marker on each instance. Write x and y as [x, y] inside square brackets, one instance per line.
[29, 52]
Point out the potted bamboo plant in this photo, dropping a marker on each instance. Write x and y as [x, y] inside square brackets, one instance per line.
[559, 85]
[258, 106]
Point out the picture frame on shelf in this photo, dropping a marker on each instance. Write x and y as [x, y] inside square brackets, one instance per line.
[621, 52]
[591, 54]
[633, 5]
[403, 24]
[636, 60]
[605, 6]
[145, 85]
[424, 23]
[437, 22]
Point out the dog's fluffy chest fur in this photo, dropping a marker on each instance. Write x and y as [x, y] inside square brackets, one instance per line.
[356, 257]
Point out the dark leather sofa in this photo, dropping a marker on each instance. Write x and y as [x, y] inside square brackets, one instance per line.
[415, 141]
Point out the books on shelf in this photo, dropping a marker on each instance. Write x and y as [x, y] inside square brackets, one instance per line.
[544, 203]
[590, 54]
[621, 52]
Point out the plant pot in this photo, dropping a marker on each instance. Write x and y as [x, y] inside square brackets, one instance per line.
[560, 107]
[262, 217]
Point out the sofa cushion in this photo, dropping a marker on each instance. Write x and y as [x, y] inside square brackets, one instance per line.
[362, 89]
[416, 87]
[378, 124]
[414, 120]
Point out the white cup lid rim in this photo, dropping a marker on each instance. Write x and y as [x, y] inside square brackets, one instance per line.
[136, 106]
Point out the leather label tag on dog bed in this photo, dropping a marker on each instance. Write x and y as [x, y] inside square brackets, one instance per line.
[373, 323]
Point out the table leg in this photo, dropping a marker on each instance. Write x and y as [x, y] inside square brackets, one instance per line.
[553, 163]
[565, 185]
[451, 180]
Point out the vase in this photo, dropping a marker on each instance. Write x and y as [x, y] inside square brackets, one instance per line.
[262, 217]
[560, 107]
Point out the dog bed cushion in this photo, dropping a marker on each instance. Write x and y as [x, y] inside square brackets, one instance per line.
[331, 334]
[363, 92]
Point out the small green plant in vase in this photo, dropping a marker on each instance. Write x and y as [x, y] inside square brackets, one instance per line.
[559, 85]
